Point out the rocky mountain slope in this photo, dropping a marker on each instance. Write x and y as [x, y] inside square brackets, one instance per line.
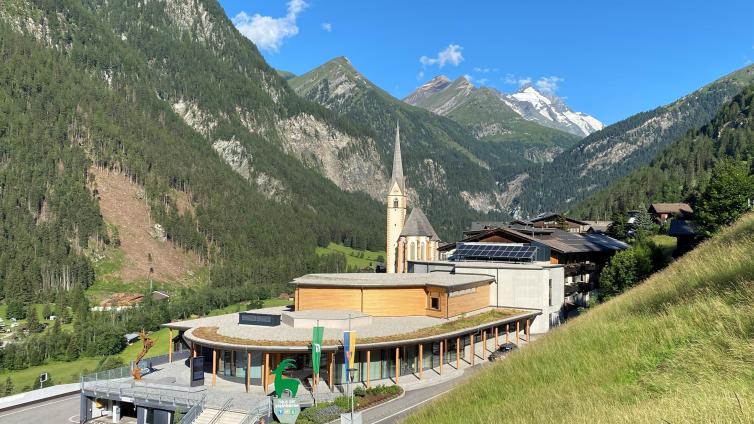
[615, 151]
[170, 96]
[451, 175]
[682, 170]
[442, 96]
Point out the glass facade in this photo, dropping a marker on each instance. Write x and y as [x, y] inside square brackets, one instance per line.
[232, 364]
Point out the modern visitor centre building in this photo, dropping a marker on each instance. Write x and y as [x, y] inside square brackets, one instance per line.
[407, 325]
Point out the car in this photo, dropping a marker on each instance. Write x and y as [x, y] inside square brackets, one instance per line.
[502, 351]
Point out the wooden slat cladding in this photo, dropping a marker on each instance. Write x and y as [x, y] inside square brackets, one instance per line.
[386, 302]
[329, 298]
[469, 302]
[395, 302]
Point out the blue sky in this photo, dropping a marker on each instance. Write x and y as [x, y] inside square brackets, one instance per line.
[608, 59]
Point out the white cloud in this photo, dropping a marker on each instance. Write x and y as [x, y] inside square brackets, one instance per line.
[327, 27]
[420, 76]
[548, 84]
[514, 80]
[485, 70]
[468, 77]
[267, 32]
[482, 81]
[451, 55]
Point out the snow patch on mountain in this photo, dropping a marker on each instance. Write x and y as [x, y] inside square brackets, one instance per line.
[551, 111]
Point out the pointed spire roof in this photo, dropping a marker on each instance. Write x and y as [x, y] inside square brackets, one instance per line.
[398, 162]
[417, 224]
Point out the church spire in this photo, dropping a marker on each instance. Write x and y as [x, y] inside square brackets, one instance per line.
[398, 162]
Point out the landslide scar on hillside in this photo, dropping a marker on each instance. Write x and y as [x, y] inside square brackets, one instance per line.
[120, 206]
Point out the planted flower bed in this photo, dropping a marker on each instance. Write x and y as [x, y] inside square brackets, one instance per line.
[363, 398]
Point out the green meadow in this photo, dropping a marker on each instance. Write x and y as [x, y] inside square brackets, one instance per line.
[678, 348]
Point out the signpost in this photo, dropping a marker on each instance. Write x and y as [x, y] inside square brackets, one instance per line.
[42, 379]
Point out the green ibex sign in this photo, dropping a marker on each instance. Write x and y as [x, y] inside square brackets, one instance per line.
[286, 410]
[282, 384]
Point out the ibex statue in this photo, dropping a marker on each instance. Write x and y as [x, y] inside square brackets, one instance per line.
[282, 384]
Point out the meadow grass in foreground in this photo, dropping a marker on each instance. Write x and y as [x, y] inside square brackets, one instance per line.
[677, 348]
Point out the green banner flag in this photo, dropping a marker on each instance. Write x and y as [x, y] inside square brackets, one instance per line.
[317, 334]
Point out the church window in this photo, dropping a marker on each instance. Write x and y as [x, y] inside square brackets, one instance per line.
[412, 251]
[421, 252]
[395, 202]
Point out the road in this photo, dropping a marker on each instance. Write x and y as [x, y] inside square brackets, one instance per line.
[397, 410]
[62, 410]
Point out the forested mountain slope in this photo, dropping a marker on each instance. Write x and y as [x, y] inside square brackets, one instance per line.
[615, 151]
[681, 171]
[451, 174]
[168, 94]
[675, 349]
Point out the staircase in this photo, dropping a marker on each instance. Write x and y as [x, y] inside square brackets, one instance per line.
[216, 416]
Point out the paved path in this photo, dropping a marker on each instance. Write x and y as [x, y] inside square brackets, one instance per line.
[397, 410]
[57, 411]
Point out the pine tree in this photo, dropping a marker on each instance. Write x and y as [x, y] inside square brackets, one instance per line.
[32, 320]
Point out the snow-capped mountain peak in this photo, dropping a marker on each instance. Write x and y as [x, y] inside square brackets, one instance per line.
[551, 111]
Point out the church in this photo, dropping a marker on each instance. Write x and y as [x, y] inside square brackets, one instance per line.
[411, 239]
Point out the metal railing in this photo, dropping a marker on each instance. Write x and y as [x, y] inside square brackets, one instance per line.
[263, 409]
[194, 412]
[224, 409]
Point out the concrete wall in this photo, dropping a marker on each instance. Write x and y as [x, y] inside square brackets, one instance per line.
[516, 286]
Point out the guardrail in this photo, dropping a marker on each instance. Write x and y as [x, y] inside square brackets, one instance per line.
[193, 413]
[263, 409]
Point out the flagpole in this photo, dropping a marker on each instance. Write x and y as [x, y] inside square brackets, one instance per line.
[315, 373]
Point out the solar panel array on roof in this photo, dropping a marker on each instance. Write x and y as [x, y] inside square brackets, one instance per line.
[495, 252]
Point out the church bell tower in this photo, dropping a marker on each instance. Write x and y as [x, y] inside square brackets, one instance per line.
[396, 205]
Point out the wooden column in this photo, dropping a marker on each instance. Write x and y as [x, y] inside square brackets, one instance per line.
[421, 360]
[441, 350]
[248, 371]
[507, 333]
[496, 344]
[471, 348]
[170, 345]
[528, 331]
[458, 353]
[369, 361]
[484, 343]
[517, 331]
[397, 364]
[193, 350]
[266, 371]
[214, 366]
[330, 368]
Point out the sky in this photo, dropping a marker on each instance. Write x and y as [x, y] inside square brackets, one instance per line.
[610, 59]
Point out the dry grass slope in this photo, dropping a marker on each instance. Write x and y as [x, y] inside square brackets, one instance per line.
[678, 348]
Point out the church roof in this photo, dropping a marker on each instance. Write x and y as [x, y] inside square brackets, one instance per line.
[398, 163]
[417, 224]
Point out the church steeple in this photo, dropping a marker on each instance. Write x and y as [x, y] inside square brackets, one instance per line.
[396, 205]
[398, 162]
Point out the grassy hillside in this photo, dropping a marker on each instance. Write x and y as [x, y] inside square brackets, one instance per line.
[677, 348]
[354, 258]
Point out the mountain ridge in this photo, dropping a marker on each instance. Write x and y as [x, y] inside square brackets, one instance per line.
[442, 97]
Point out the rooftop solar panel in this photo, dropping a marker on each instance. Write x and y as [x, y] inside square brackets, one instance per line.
[495, 252]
